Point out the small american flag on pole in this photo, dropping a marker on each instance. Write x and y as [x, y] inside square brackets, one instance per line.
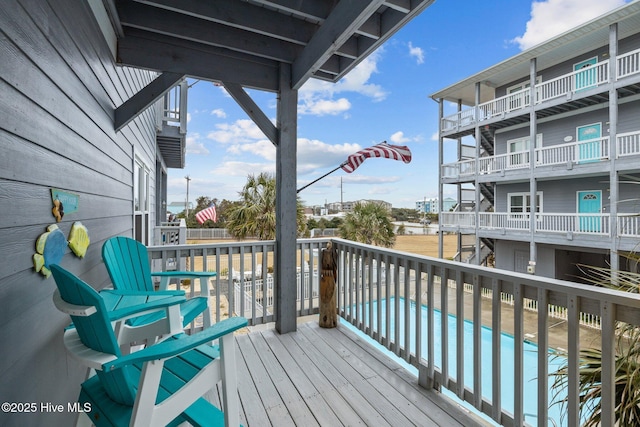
[207, 213]
[395, 152]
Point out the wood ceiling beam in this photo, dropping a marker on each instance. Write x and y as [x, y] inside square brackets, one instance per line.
[162, 53]
[344, 20]
[188, 27]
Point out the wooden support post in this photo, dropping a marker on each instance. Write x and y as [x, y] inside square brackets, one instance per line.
[328, 278]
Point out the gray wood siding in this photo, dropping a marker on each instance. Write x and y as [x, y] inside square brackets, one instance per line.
[625, 45]
[560, 196]
[58, 90]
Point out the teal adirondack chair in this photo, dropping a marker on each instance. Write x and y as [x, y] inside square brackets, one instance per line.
[127, 262]
[160, 385]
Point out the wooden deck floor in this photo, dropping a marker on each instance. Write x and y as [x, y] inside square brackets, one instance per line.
[331, 377]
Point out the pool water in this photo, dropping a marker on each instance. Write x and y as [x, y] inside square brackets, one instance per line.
[530, 357]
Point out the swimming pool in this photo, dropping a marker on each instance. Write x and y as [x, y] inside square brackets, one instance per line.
[530, 357]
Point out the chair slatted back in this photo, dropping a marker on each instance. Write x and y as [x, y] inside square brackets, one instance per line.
[95, 331]
[127, 262]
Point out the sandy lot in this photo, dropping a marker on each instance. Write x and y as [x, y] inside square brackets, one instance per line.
[422, 244]
[426, 244]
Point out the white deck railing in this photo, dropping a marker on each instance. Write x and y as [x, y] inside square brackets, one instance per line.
[628, 144]
[629, 63]
[565, 85]
[505, 104]
[574, 82]
[628, 225]
[458, 219]
[597, 223]
[459, 169]
[385, 308]
[170, 106]
[504, 221]
[576, 152]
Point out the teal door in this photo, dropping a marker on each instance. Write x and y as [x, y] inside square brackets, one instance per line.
[589, 202]
[589, 151]
[586, 77]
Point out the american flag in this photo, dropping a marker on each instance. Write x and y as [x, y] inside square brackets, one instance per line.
[395, 152]
[207, 213]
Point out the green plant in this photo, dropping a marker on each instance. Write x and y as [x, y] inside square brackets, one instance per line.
[627, 361]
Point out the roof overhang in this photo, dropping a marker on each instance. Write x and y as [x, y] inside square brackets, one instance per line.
[245, 42]
[585, 38]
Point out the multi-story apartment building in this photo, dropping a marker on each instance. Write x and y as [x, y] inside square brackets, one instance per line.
[432, 205]
[573, 196]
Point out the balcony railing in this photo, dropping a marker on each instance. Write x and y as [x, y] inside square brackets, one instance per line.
[172, 108]
[505, 104]
[248, 267]
[575, 223]
[380, 291]
[629, 63]
[566, 85]
[382, 302]
[574, 153]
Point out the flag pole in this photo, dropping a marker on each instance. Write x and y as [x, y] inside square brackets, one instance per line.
[318, 179]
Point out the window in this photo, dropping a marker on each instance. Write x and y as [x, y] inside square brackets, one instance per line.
[522, 99]
[141, 202]
[518, 150]
[519, 205]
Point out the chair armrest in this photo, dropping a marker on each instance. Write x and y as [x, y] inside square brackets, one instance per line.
[155, 303]
[167, 349]
[83, 354]
[184, 274]
[124, 292]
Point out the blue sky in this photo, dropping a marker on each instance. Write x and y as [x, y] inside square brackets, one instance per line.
[385, 98]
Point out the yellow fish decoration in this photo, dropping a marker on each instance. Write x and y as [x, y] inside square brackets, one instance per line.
[79, 239]
[51, 246]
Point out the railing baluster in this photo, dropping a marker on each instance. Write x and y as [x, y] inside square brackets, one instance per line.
[418, 313]
[573, 384]
[460, 335]
[607, 314]
[396, 308]
[444, 329]
[407, 312]
[477, 341]
[518, 354]
[543, 357]
[496, 365]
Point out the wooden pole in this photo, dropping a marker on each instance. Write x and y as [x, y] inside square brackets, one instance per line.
[328, 278]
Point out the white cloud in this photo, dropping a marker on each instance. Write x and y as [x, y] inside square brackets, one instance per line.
[417, 52]
[314, 154]
[323, 107]
[244, 130]
[400, 138]
[434, 136]
[219, 112]
[552, 17]
[318, 97]
[262, 148]
[194, 145]
[368, 180]
[233, 168]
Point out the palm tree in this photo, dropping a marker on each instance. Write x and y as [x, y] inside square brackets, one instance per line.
[368, 223]
[627, 361]
[255, 215]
